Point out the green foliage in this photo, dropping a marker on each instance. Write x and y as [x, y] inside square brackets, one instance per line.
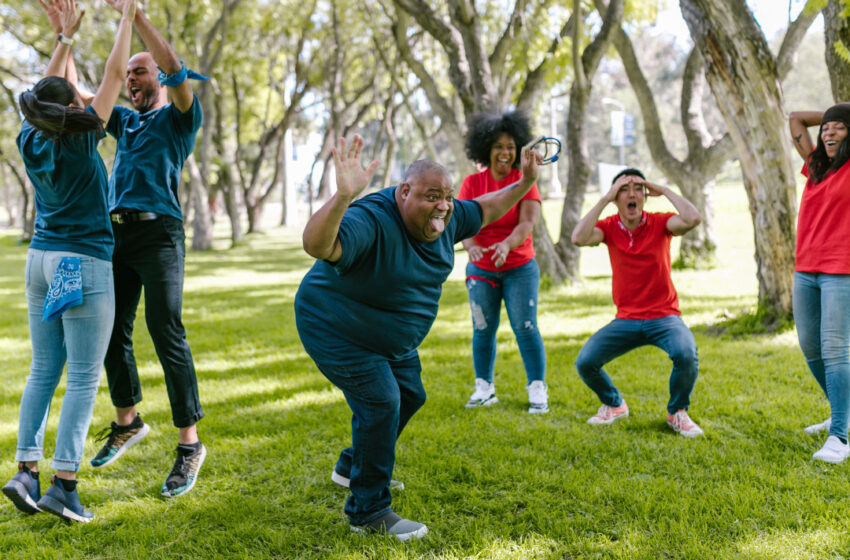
[842, 51]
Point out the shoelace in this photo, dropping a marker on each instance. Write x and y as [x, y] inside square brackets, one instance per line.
[183, 464]
[109, 433]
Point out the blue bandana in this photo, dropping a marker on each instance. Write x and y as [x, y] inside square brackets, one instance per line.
[66, 289]
[174, 80]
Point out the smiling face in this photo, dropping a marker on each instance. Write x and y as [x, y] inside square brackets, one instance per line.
[502, 156]
[143, 87]
[832, 134]
[425, 202]
[630, 198]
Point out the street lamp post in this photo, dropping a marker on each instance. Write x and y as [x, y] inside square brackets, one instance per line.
[618, 133]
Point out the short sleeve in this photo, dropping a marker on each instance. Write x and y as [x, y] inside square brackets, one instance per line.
[357, 233]
[465, 192]
[603, 226]
[532, 194]
[116, 123]
[469, 217]
[191, 120]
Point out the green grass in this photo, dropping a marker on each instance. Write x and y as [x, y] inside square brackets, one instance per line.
[491, 484]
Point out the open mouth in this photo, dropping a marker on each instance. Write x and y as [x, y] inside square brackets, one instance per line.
[632, 206]
[438, 223]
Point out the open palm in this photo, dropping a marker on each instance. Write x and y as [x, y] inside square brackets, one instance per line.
[351, 177]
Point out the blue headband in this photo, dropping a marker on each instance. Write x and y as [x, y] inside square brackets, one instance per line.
[174, 80]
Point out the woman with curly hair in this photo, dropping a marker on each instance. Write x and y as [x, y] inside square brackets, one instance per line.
[501, 259]
[70, 296]
[822, 268]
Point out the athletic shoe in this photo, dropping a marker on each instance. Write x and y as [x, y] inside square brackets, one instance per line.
[816, 428]
[345, 482]
[484, 395]
[64, 503]
[833, 451]
[24, 491]
[538, 399]
[392, 524]
[608, 414]
[682, 423]
[185, 472]
[118, 440]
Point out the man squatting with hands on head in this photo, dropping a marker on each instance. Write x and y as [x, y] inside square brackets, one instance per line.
[647, 305]
[154, 140]
[371, 298]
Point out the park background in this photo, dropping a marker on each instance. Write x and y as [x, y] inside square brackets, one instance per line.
[288, 77]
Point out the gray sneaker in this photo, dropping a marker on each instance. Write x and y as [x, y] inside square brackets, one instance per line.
[392, 524]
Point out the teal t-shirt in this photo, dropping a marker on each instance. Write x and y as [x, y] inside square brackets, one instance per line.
[152, 147]
[382, 296]
[69, 179]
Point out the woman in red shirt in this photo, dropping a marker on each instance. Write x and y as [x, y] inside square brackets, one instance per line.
[501, 259]
[822, 268]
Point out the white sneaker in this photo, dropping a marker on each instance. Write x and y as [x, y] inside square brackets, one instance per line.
[816, 428]
[538, 399]
[484, 395]
[833, 451]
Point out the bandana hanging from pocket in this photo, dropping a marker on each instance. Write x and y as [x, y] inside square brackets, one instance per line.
[66, 289]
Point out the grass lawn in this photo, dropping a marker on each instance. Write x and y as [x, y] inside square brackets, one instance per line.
[494, 484]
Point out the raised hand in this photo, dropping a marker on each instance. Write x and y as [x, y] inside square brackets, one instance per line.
[50, 8]
[351, 178]
[69, 16]
[530, 161]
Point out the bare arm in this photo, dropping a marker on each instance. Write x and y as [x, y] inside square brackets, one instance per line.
[688, 216]
[321, 234]
[496, 204]
[586, 233]
[163, 54]
[116, 66]
[529, 212]
[69, 19]
[799, 123]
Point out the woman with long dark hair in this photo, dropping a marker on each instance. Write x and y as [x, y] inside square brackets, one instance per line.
[501, 259]
[70, 297]
[822, 268]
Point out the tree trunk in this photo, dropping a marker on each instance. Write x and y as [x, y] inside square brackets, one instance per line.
[743, 77]
[202, 223]
[837, 36]
[699, 245]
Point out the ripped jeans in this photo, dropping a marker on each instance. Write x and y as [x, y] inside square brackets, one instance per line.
[518, 287]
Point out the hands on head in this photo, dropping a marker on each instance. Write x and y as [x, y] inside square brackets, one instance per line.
[351, 177]
[649, 189]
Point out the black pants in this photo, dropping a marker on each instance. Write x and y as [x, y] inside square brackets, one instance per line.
[150, 254]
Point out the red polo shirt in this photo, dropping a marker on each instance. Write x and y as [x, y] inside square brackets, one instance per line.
[640, 266]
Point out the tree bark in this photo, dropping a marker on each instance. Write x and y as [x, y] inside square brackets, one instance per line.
[202, 222]
[837, 37]
[743, 77]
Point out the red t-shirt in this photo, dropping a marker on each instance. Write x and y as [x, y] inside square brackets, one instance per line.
[481, 183]
[640, 267]
[823, 230]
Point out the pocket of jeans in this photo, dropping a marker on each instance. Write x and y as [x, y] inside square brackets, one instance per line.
[96, 274]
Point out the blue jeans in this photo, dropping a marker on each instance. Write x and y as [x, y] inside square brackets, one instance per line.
[823, 327]
[383, 395]
[518, 287]
[621, 335]
[79, 337]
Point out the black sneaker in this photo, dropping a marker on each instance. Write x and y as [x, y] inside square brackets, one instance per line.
[24, 491]
[185, 472]
[118, 440]
[64, 503]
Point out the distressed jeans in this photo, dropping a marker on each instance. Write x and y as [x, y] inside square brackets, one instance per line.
[518, 288]
[79, 337]
[821, 315]
[621, 335]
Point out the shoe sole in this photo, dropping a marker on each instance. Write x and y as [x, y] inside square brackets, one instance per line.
[337, 478]
[17, 492]
[140, 435]
[57, 508]
[538, 410]
[188, 487]
[492, 400]
[831, 460]
[689, 435]
[593, 422]
[403, 537]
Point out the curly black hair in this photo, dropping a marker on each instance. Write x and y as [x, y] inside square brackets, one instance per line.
[485, 129]
[821, 164]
